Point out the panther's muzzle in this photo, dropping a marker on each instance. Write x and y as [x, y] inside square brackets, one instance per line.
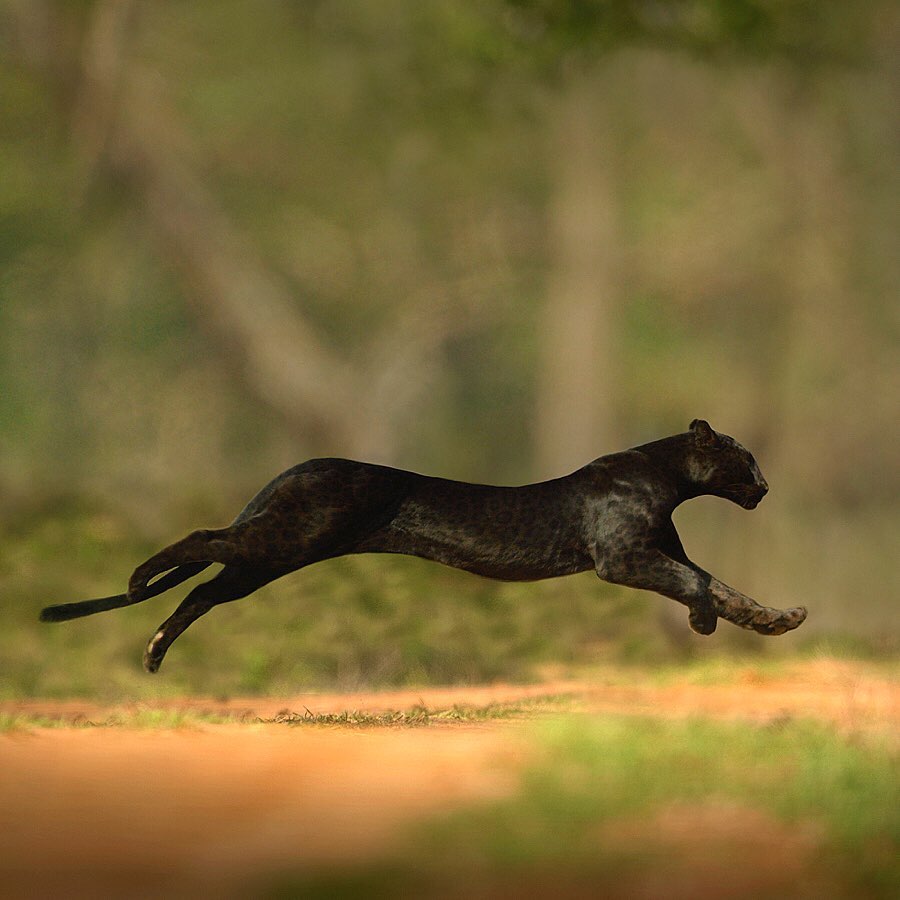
[753, 495]
[747, 496]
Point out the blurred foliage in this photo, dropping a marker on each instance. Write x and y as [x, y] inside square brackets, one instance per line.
[356, 621]
[360, 621]
[805, 32]
[392, 174]
[615, 806]
[601, 773]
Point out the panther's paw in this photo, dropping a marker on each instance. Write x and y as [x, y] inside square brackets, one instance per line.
[795, 617]
[153, 655]
[785, 620]
[703, 619]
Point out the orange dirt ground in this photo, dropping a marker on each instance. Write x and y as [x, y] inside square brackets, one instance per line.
[211, 809]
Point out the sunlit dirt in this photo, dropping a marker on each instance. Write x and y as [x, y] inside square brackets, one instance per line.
[165, 811]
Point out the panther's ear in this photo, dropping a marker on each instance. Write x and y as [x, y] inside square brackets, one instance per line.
[703, 432]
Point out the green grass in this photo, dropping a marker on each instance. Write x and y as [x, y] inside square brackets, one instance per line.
[142, 719]
[367, 621]
[421, 715]
[347, 623]
[414, 716]
[602, 768]
[590, 774]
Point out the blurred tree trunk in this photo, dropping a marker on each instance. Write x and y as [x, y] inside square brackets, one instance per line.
[120, 121]
[820, 329]
[575, 418]
[266, 341]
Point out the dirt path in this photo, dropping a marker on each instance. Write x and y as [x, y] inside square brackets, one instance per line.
[160, 813]
[847, 694]
[100, 811]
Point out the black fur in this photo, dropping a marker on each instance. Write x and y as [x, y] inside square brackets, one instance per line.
[614, 515]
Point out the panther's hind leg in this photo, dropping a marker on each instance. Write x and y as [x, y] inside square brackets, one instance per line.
[221, 545]
[232, 583]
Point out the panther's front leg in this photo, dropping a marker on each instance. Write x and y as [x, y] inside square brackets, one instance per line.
[746, 613]
[651, 570]
[705, 596]
[728, 603]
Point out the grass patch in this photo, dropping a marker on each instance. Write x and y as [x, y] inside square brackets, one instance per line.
[138, 719]
[595, 772]
[24, 722]
[368, 621]
[415, 716]
[166, 719]
[583, 818]
[420, 715]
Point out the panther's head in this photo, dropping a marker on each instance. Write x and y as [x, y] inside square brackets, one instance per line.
[720, 466]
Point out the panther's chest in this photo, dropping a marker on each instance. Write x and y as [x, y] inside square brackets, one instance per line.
[626, 505]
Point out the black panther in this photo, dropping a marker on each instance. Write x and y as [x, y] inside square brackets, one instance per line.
[614, 516]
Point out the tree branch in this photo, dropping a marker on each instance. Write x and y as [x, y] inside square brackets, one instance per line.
[249, 311]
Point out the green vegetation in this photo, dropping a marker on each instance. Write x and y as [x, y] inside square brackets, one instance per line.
[400, 208]
[413, 717]
[421, 715]
[484, 240]
[604, 768]
[588, 809]
[359, 621]
[366, 620]
[138, 719]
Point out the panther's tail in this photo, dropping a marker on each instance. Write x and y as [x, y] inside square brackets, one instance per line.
[65, 611]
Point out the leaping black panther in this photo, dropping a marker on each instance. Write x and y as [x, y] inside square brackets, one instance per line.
[614, 515]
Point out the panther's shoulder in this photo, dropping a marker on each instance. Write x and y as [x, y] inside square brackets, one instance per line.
[629, 469]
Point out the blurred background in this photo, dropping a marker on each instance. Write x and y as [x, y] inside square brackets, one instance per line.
[489, 241]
